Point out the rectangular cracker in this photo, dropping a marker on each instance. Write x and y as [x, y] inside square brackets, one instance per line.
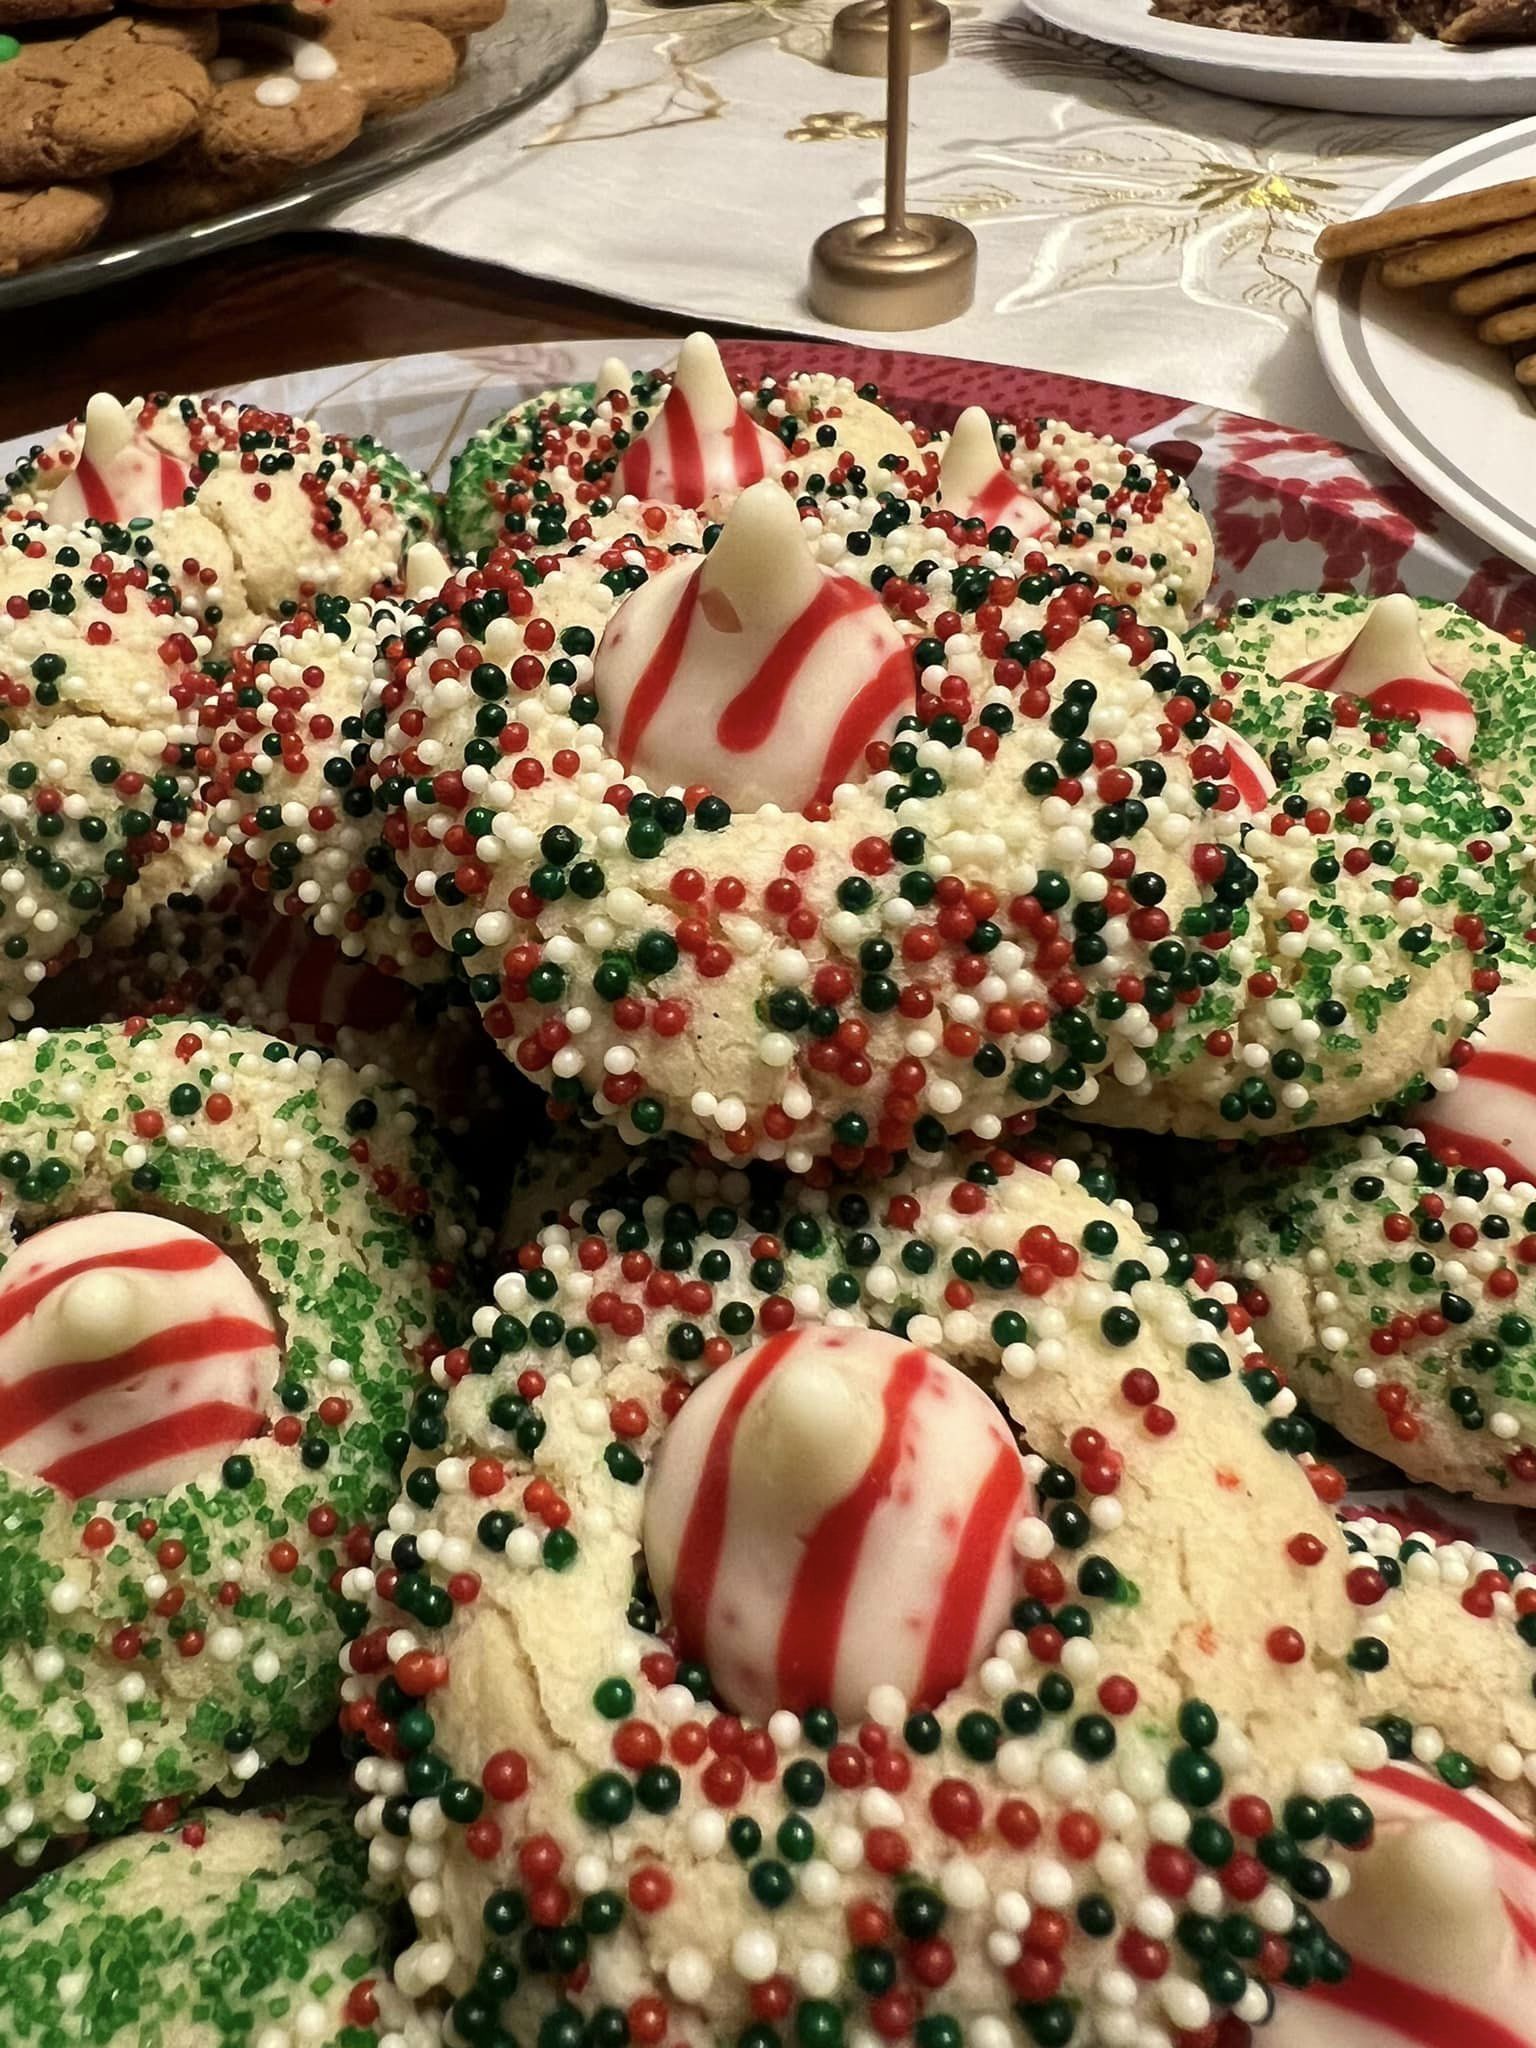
[1459, 255]
[1483, 294]
[1402, 225]
[1515, 323]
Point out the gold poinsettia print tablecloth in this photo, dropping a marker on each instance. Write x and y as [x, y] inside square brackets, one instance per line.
[1130, 229]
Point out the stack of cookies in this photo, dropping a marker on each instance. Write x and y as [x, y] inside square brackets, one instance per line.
[1480, 244]
[125, 123]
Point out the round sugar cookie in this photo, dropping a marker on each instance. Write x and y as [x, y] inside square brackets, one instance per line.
[224, 1266]
[1006, 1826]
[234, 1929]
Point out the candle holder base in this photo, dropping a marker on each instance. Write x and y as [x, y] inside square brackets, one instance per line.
[861, 33]
[919, 274]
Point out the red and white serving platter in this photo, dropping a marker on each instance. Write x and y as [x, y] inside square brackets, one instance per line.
[1290, 510]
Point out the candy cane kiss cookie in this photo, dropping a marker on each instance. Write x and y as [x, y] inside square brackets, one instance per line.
[253, 507]
[237, 1929]
[224, 1263]
[897, 1606]
[1389, 880]
[763, 847]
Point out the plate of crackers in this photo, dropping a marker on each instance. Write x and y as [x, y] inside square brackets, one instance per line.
[1425, 318]
[135, 133]
[1416, 57]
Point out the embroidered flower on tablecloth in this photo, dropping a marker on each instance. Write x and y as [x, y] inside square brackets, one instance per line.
[1135, 183]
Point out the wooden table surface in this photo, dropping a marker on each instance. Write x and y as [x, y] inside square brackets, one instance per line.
[297, 302]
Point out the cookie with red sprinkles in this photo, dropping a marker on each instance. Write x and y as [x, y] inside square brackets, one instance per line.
[1389, 879]
[232, 1930]
[1444, 1665]
[647, 453]
[225, 1265]
[966, 856]
[686, 1714]
[253, 507]
[1398, 1293]
[288, 781]
[98, 676]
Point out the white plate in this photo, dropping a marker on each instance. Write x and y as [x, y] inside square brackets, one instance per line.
[1434, 399]
[1420, 77]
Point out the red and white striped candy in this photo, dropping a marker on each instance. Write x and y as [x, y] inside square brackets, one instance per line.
[701, 445]
[119, 473]
[752, 670]
[973, 484]
[1440, 1920]
[308, 982]
[134, 1354]
[1388, 666]
[1489, 1117]
[1247, 769]
[831, 1512]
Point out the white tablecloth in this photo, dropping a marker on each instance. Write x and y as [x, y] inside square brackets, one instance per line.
[1130, 229]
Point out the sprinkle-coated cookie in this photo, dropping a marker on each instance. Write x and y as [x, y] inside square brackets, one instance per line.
[288, 781]
[238, 1930]
[252, 507]
[1444, 1666]
[97, 677]
[1397, 1294]
[1389, 878]
[225, 1264]
[1000, 1828]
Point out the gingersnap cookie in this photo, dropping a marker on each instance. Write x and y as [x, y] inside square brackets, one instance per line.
[872, 1711]
[393, 61]
[98, 673]
[45, 223]
[1444, 1666]
[1435, 1924]
[233, 1929]
[82, 104]
[254, 508]
[23, 13]
[1397, 1294]
[225, 1263]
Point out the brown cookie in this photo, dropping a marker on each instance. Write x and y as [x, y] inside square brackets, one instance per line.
[80, 105]
[268, 123]
[451, 18]
[21, 13]
[393, 62]
[42, 223]
[158, 198]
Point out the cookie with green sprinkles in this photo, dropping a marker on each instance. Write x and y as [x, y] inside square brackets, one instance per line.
[1389, 880]
[224, 1265]
[237, 1930]
[499, 482]
[1397, 1293]
[289, 782]
[252, 507]
[900, 1607]
[1444, 1665]
[98, 676]
[969, 851]
[1469, 687]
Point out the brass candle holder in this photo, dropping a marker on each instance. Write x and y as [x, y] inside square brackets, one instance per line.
[895, 270]
[861, 36]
